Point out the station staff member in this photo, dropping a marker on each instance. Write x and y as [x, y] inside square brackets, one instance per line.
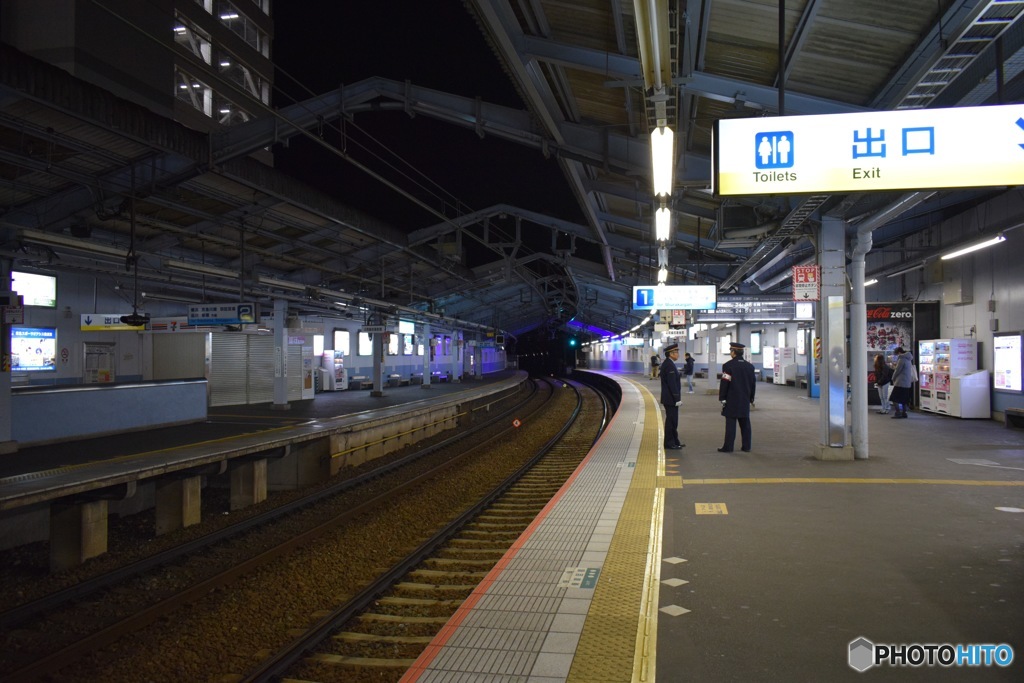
[736, 392]
[671, 396]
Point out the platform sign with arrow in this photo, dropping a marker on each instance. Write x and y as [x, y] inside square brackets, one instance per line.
[106, 322]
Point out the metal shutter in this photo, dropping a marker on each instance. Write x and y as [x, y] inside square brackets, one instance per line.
[228, 369]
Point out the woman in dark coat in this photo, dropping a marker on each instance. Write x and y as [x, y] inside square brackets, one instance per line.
[902, 381]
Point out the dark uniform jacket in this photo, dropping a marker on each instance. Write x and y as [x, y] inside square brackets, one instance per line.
[671, 384]
[737, 388]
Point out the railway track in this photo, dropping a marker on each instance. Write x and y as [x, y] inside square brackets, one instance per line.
[379, 634]
[88, 646]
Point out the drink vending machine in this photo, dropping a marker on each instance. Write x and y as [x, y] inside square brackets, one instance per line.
[333, 372]
[949, 381]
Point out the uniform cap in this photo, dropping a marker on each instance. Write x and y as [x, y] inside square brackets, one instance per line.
[671, 347]
[737, 346]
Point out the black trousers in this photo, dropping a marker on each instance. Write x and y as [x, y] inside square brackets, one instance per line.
[730, 432]
[671, 426]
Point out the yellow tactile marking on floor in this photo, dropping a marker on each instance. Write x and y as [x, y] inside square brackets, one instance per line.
[791, 480]
[670, 482]
[618, 640]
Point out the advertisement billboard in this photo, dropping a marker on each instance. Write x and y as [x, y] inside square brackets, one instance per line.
[33, 349]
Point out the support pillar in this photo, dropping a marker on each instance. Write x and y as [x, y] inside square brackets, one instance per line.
[7, 444]
[280, 355]
[378, 364]
[458, 348]
[712, 379]
[428, 350]
[178, 503]
[833, 425]
[78, 532]
[248, 484]
[304, 464]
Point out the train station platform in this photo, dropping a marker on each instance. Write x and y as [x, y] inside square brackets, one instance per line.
[66, 492]
[234, 421]
[760, 566]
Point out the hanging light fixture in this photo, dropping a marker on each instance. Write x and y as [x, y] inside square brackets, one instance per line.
[662, 145]
[662, 275]
[974, 247]
[662, 222]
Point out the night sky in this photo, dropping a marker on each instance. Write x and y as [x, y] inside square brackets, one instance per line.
[433, 44]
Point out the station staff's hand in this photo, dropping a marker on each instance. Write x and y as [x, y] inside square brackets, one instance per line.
[678, 403]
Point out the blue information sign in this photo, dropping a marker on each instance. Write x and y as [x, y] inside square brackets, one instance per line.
[677, 297]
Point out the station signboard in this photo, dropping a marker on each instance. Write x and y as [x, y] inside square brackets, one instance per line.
[222, 314]
[683, 297]
[870, 151]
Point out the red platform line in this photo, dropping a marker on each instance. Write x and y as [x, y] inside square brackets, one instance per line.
[432, 650]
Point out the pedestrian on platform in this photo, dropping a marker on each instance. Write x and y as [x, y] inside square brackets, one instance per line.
[671, 396]
[903, 378]
[883, 382]
[688, 371]
[736, 392]
[654, 365]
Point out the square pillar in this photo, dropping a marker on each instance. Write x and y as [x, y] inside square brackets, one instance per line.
[248, 484]
[78, 532]
[177, 503]
[305, 464]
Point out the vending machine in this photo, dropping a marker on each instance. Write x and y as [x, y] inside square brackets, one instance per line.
[940, 363]
[785, 365]
[333, 372]
[925, 375]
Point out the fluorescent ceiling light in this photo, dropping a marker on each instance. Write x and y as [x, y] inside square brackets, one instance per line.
[280, 284]
[872, 281]
[662, 159]
[202, 269]
[975, 247]
[54, 240]
[662, 275]
[171, 297]
[662, 221]
[908, 269]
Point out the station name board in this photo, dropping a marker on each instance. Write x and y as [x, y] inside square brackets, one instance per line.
[684, 297]
[870, 151]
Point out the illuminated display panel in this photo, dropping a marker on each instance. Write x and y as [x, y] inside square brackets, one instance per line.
[1007, 356]
[33, 349]
[869, 151]
[36, 290]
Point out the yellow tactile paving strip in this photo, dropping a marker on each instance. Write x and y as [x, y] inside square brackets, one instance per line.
[796, 480]
[618, 639]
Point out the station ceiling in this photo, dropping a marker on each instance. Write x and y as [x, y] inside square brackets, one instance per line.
[93, 184]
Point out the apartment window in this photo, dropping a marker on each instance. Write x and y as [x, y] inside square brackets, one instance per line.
[229, 113]
[234, 70]
[241, 26]
[189, 89]
[192, 38]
